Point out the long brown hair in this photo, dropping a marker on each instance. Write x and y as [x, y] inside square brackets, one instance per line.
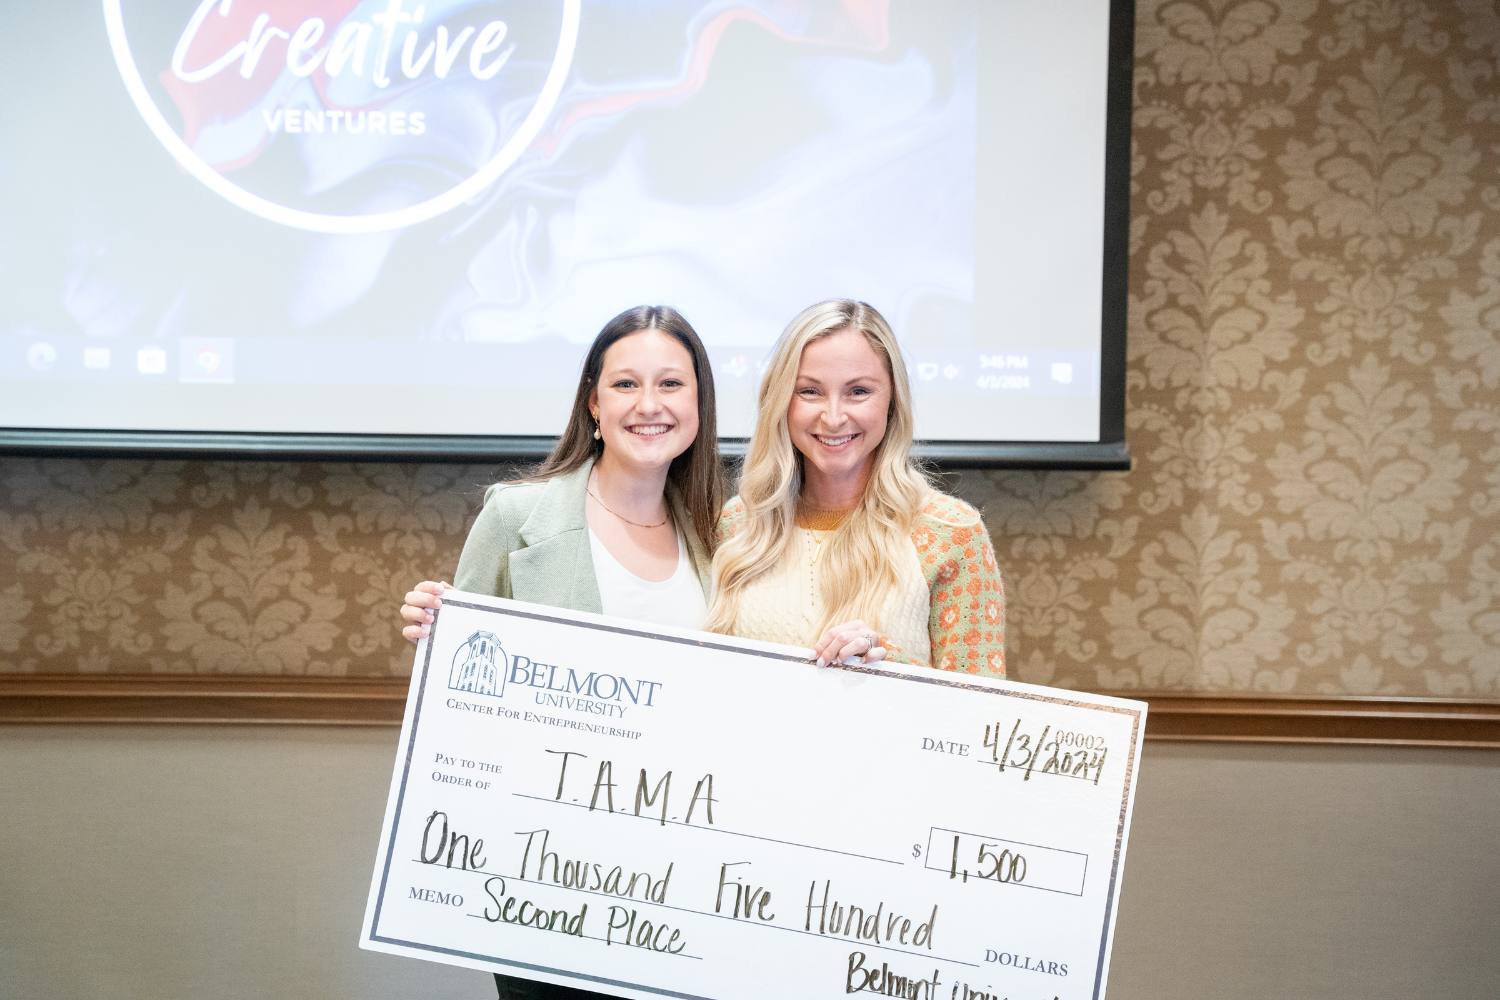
[695, 474]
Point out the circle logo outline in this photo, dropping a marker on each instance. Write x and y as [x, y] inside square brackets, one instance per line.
[344, 225]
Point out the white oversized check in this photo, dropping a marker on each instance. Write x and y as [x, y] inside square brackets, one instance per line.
[658, 813]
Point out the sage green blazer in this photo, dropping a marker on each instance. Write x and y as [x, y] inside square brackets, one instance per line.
[530, 542]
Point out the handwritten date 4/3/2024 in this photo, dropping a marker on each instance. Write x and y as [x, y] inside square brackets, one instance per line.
[1046, 751]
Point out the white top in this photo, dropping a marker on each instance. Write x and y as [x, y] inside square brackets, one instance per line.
[785, 604]
[677, 600]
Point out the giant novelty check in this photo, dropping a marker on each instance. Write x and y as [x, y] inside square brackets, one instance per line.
[645, 812]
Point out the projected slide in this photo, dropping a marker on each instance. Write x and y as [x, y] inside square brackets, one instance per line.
[410, 216]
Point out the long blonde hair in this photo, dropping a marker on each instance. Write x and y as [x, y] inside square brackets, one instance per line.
[857, 572]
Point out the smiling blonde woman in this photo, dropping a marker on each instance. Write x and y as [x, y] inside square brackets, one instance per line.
[837, 538]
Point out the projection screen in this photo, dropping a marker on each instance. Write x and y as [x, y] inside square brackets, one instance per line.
[394, 226]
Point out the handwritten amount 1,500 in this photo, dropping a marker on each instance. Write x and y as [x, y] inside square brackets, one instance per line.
[1003, 866]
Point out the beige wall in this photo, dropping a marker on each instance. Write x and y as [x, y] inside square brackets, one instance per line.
[1314, 356]
[154, 863]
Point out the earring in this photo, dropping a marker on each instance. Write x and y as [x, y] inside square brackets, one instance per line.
[597, 435]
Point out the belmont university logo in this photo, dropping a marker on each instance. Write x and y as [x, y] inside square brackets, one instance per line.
[340, 116]
[480, 666]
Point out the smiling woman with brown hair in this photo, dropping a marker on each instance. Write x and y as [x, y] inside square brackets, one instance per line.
[619, 519]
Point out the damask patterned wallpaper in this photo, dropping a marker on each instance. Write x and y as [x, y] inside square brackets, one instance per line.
[1313, 412]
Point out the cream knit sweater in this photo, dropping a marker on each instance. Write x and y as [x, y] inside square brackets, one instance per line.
[949, 612]
[785, 606]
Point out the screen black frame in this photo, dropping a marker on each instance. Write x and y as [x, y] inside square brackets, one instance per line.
[1109, 452]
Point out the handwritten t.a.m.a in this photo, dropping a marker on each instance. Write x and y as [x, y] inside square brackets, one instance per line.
[474, 664]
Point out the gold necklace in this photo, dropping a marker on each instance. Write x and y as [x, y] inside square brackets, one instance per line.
[622, 517]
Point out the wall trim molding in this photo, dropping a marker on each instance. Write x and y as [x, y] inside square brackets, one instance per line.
[164, 698]
[342, 701]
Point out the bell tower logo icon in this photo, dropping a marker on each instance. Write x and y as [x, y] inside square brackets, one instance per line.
[474, 666]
